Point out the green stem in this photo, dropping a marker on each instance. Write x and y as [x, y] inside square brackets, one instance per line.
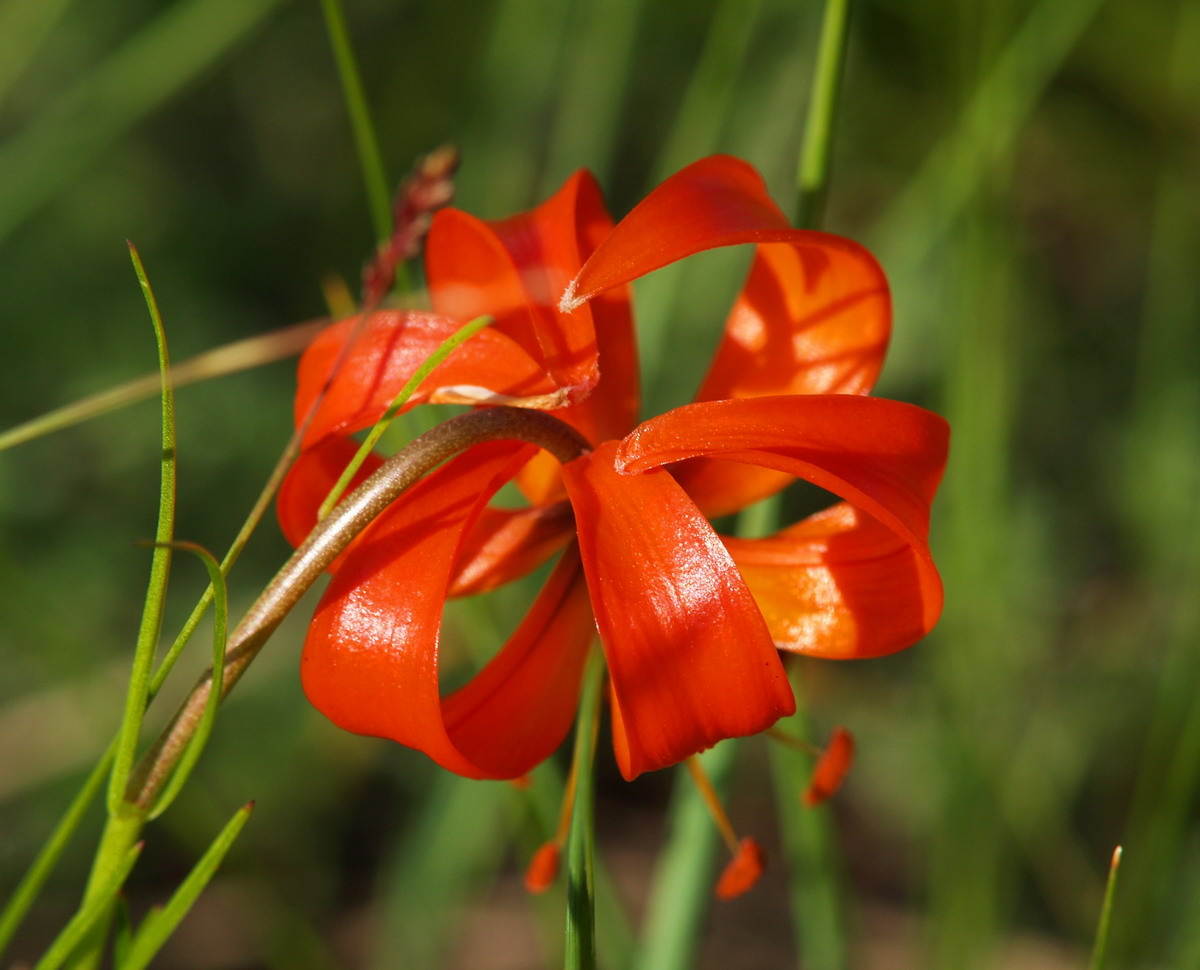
[581, 880]
[811, 847]
[230, 359]
[812, 175]
[365, 139]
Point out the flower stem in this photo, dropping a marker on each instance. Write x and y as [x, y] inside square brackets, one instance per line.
[326, 542]
[581, 889]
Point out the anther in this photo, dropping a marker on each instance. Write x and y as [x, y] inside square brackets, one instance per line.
[543, 867]
[749, 860]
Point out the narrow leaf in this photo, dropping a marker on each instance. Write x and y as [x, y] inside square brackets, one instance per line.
[220, 627]
[83, 921]
[160, 566]
[581, 881]
[157, 928]
[1100, 947]
[32, 882]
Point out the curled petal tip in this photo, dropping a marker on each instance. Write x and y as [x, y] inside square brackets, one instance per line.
[543, 868]
[743, 871]
[831, 768]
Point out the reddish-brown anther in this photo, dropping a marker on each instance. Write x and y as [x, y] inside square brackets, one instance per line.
[743, 870]
[831, 768]
[543, 868]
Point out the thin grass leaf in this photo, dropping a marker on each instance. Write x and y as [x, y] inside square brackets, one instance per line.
[24, 24]
[811, 848]
[160, 566]
[90, 914]
[444, 350]
[812, 173]
[684, 876]
[709, 101]
[454, 846]
[238, 356]
[148, 70]
[31, 883]
[220, 627]
[809, 835]
[375, 180]
[1100, 947]
[122, 931]
[158, 925]
[581, 879]
[995, 113]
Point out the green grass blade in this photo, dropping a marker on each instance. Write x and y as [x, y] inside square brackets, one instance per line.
[444, 350]
[811, 848]
[455, 843]
[686, 869]
[90, 914]
[47, 858]
[148, 70]
[709, 101]
[1100, 947]
[992, 117]
[157, 927]
[581, 880]
[24, 24]
[220, 627]
[812, 175]
[160, 567]
[375, 179]
[229, 359]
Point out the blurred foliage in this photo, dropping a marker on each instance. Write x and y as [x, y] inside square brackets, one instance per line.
[1026, 173]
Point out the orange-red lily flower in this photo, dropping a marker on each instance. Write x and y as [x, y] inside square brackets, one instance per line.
[689, 620]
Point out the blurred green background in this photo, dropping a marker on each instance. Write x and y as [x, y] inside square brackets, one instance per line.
[1026, 173]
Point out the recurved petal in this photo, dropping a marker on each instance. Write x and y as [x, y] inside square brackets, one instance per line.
[884, 457]
[689, 656]
[813, 318]
[387, 348]
[839, 585]
[505, 544]
[515, 269]
[370, 661]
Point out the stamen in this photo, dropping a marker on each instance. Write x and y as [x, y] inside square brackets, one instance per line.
[743, 872]
[543, 867]
[749, 860]
[713, 801]
[831, 768]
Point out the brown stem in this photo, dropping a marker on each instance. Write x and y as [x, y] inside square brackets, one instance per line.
[325, 543]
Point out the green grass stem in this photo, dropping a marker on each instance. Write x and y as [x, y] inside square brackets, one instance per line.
[220, 627]
[91, 914]
[31, 883]
[158, 925]
[812, 174]
[149, 69]
[137, 695]
[370, 158]
[581, 880]
[230, 359]
[1100, 947]
[685, 872]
